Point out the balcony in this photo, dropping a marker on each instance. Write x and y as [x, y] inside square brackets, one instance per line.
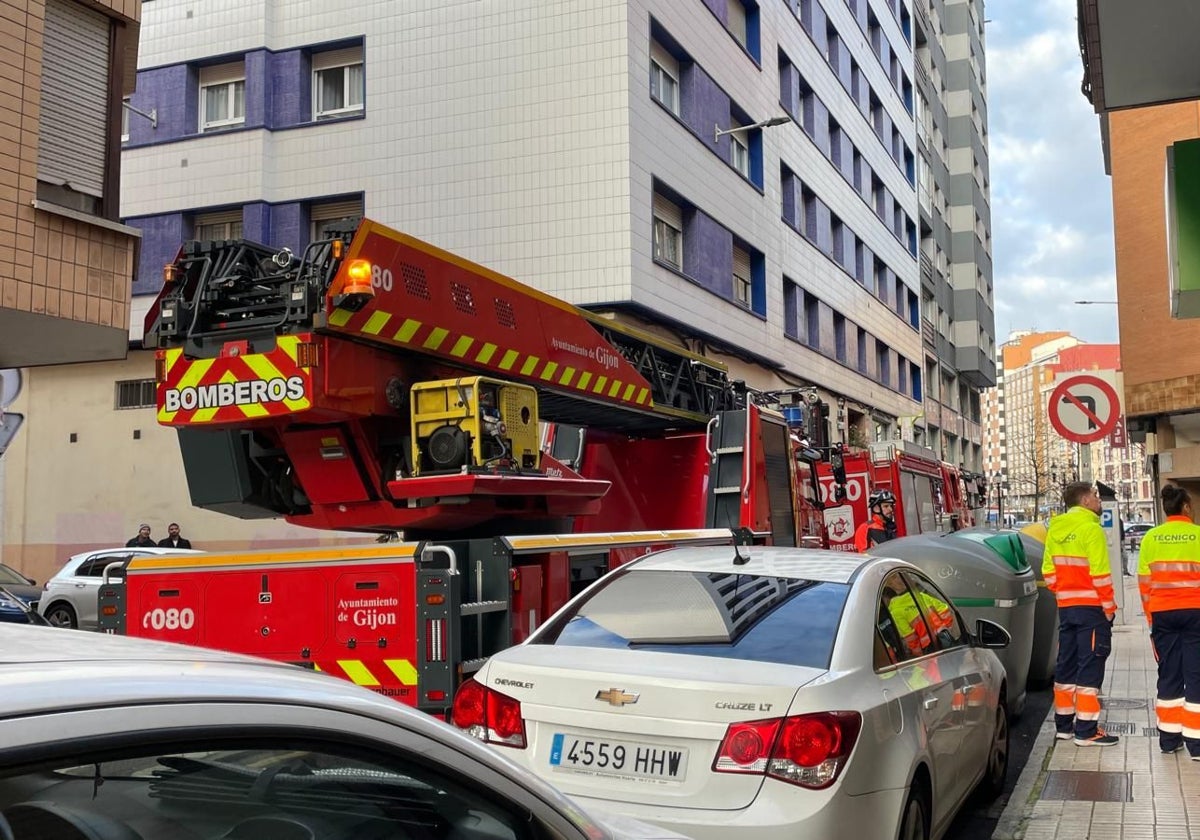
[972, 431]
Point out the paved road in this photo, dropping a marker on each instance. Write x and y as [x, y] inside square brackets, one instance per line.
[978, 821]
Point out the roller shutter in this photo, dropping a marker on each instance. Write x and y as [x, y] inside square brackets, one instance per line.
[73, 135]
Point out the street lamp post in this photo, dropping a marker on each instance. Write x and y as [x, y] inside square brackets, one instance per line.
[767, 123]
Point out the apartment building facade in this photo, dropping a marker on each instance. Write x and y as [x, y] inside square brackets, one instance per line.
[609, 153]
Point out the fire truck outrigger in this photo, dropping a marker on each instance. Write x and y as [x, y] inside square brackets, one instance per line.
[521, 445]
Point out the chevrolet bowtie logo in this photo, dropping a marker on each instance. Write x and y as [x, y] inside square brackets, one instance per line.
[617, 697]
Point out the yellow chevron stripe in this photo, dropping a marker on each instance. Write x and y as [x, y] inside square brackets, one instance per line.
[317, 667]
[485, 355]
[584, 379]
[403, 669]
[171, 357]
[267, 371]
[643, 395]
[407, 330]
[600, 384]
[436, 338]
[195, 372]
[548, 370]
[205, 415]
[616, 386]
[530, 365]
[340, 317]
[567, 376]
[357, 672]
[461, 346]
[376, 323]
[628, 392]
[509, 359]
[288, 344]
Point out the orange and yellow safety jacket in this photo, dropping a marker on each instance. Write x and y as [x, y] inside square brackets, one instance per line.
[911, 625]
[1169, 566]
[1075, 564]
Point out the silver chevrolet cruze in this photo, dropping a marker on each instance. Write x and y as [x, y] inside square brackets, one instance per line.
[760, 693]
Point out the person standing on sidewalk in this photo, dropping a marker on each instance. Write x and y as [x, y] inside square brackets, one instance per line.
[1169, 580]
[1077, 571]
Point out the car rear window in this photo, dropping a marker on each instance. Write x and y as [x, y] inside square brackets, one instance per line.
[736, 616]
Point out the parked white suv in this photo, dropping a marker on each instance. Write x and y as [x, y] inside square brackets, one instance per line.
[69, 598]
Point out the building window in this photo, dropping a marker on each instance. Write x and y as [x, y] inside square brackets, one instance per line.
[334, 214]
[217, 226]
[739, 152]
[73, 128]
[736, 20]
[882, 366]
[338, 87]
[812, 321]
[862, 350]
[125, 120]
[792, 295]
[135, 393]
[668, 232]
[222, 96]
[664, 77]
[743, 288]
[839, 336]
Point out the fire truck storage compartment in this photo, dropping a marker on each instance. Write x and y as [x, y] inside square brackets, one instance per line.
[985, 575]
[229, 472]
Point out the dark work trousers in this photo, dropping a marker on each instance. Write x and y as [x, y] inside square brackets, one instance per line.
[1176, 638]
[1084, 642]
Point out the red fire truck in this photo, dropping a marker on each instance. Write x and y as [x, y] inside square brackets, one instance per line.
[931, 495]
[379, 384]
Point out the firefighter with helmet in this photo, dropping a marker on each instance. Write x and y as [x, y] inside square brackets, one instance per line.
[881, 521]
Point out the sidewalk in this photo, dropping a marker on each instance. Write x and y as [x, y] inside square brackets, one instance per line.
[1130, 791]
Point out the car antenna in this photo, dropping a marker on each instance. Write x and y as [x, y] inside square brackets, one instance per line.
[742, 540]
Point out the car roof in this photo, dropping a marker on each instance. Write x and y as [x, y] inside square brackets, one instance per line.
[773, 561]
[59, 669]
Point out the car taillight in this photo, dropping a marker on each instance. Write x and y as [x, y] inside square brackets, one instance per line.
[747, 746]
[488, 715]
[807, 750]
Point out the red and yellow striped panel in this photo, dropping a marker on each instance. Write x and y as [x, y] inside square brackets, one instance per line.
[437, 303]
[233, 388]
[414, 334]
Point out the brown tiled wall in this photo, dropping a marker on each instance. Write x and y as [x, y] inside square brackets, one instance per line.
[1159, 354]
[49, 264]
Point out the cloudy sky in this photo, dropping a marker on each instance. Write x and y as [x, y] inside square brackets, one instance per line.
[1051, 201]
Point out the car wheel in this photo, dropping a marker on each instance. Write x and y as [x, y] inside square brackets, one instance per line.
[997, 763]
[915, 823]
[61, 615]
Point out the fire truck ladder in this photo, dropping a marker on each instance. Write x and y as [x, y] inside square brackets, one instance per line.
[436, 305]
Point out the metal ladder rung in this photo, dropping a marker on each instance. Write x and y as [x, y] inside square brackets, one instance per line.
[730, 450]
[719, 490]
[479, 607]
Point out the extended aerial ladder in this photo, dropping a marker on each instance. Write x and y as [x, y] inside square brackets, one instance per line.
[348, 388]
